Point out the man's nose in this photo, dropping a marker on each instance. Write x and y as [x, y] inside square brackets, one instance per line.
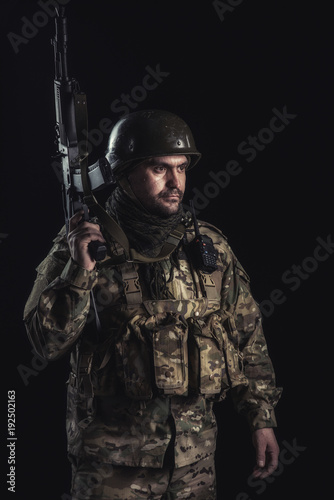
[173, 179]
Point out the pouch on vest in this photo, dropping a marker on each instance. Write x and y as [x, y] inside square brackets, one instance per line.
[170, 352]
[207, 373]
[134, 359]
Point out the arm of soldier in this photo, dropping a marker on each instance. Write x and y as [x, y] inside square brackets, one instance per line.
[58, 305]
[256, 399]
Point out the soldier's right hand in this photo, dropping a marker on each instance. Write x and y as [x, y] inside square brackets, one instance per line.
[79, 236]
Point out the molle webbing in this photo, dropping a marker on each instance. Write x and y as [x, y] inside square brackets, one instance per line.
[132, 287]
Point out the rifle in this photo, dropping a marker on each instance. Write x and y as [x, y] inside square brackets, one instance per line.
[71, 121]
[78, 179]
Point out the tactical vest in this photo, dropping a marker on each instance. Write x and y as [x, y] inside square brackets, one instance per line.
[171, 347]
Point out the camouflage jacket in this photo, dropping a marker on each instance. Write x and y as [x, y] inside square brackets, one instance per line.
[142, 389]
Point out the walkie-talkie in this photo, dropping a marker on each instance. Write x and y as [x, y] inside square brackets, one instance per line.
[201, 249]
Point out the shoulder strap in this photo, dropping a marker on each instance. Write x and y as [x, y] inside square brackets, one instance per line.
[169, 246]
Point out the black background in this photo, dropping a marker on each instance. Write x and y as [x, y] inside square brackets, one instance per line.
[224, 78]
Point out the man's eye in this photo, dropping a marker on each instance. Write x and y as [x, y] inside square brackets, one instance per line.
[159, 169]
[182, 168]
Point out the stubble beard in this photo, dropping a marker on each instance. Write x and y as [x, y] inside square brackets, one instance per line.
[156, 207]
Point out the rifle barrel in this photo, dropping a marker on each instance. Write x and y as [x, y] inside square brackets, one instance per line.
[60, 47]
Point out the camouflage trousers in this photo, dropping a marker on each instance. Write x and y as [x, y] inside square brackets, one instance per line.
[97, 481]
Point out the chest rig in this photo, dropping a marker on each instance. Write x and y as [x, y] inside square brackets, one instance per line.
[170, 347]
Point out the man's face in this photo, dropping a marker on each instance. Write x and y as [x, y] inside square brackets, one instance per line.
[159, 183]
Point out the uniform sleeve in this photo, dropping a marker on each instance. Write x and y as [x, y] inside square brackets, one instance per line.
[257, 398]
[58, 306]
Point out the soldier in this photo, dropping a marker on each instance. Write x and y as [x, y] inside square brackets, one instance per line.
[158, 331]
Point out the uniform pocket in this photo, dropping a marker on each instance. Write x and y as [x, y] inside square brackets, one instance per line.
[134, 360]
[169, 333]
[207, 371]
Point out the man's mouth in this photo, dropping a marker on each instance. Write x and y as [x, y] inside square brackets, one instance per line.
[171, 195]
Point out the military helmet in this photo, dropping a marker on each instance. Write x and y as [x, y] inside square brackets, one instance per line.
[149, 133]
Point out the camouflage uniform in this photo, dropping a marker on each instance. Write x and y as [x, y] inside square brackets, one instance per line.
[98, 481]
[141, 391]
